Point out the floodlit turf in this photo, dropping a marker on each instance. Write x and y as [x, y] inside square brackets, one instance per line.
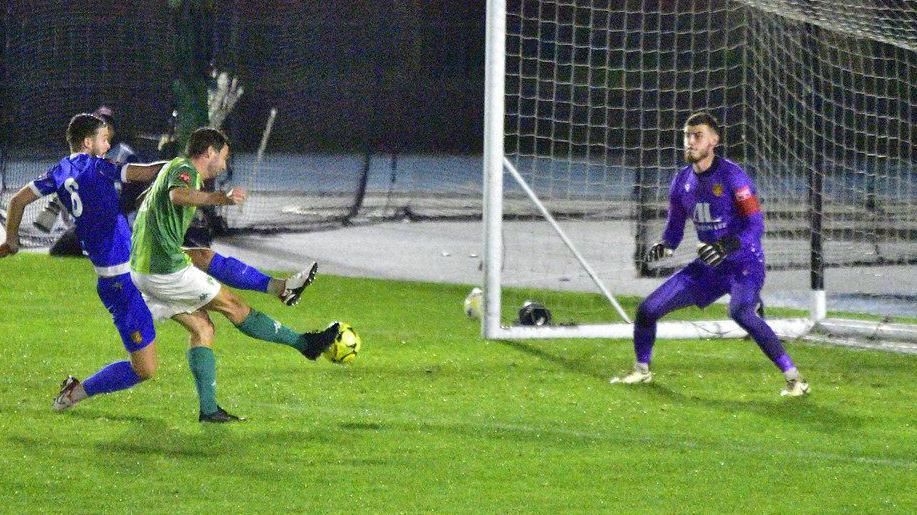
[432, 418]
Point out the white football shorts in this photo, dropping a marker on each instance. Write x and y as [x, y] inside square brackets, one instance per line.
[183, 291]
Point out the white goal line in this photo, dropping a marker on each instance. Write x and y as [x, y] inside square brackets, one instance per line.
[684, 330]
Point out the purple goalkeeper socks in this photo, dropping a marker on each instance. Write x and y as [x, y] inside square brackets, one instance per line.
[232, 272]
[644, 336]
[119, 375]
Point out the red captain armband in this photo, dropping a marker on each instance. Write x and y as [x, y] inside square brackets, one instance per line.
[747, 202]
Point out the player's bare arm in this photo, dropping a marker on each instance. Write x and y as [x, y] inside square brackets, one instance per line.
[197, 198]
[17, 206]
[142, 172]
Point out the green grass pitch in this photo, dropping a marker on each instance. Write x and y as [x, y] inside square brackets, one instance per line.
[432, 418]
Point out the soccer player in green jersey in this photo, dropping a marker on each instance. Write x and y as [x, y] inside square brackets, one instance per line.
[174, 288]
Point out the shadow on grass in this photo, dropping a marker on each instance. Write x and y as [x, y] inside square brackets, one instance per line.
[145, 438]
[360, 426]
[108, 416]
[578, 366]
[803, 411]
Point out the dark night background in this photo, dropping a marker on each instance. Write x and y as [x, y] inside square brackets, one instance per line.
[596, 92]
[398, 75]
[401, 76]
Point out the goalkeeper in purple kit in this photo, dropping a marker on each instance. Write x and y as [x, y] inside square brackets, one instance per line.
[722, 202]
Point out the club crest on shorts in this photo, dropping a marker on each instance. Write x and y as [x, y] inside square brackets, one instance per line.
[136, 337]
[718, 190]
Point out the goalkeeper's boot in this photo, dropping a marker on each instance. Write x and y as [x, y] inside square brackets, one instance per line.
[318, 342]
[640, 374]
[296, 283]
[220, 416]
[795, 388]
[65, 398]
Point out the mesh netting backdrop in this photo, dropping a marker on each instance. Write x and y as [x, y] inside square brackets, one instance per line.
[597, 94]
[399, 82]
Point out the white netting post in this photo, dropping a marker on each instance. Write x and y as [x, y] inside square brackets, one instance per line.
[493, 165]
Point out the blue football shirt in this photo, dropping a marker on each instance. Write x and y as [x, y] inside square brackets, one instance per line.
[86, 185]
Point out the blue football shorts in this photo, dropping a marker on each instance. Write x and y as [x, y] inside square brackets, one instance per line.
[128, 311]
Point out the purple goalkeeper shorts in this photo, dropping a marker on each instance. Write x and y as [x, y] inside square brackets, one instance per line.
[707, 283]
[128, 311]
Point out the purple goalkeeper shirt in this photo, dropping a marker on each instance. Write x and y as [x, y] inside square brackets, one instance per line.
[722, 202]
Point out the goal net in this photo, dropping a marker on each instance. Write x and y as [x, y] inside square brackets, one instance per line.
[586, 103]
[330, 156]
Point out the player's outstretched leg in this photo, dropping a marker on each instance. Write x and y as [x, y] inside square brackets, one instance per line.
[294, 285]
[673, 294]
[256, 324]
[135, 325]
[742, 309]
[233, 272]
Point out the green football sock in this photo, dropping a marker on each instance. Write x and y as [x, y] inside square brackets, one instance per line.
[204, 369]
[260, 326]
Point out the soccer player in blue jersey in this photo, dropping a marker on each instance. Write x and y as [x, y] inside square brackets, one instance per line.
[85, 185]
[722, 202]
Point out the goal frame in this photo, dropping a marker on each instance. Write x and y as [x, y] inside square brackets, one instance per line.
[495, 165]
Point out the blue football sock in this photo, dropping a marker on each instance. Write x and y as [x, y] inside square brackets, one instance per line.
[119, 375]
[232, 272]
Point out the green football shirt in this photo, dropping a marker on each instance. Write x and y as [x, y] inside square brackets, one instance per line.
[160, 226]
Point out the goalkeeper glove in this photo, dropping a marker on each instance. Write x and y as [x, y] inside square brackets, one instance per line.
[714, 253]
[657, 252]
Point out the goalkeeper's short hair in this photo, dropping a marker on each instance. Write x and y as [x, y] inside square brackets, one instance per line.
[704, 118]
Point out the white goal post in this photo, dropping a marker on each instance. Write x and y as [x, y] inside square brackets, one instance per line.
[553, 47]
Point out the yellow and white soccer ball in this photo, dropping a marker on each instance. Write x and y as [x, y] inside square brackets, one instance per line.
[346, 346]
[474, 304]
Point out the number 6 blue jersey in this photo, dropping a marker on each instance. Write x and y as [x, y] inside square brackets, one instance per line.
[86, 186]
